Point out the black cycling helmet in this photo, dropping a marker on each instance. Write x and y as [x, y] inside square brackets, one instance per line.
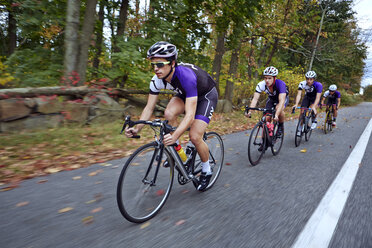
[163, 49]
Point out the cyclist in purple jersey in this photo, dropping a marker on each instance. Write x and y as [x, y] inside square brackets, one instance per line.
[313, 92]
[334, 100]
[196, 97]
[277, 92]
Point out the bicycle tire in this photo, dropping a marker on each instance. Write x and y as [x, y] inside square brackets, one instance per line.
[309, 130]
[277, 143]
[299, 134]
[216, 158]
[330, 127]
[137, 199]
[325, 126]
[256, 142]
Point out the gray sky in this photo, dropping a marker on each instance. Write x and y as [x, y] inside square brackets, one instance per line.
[363, 14]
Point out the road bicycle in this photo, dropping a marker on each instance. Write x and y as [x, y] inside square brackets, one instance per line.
[327, 127]
[146, 179]
[264, 135]
[304, 125]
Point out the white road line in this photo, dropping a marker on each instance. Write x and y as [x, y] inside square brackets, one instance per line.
[319, 230]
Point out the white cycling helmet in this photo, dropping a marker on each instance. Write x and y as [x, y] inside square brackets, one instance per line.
[270, 71]
[310, 74]
[162, 49]
[333, 87]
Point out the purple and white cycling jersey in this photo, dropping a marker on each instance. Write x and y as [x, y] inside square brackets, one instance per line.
[279, 87]
[337, 94]
[189, 81]
[312, 90]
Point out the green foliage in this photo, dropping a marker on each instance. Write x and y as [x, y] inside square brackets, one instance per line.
[35, 68]
[5, 77]
[367, 93]
[349, 99]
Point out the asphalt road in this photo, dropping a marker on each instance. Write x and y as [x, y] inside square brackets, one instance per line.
[263, 206]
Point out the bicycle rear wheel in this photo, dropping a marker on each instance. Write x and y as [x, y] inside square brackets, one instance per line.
[299, 132]
[138, 197]
[276, 142]
[256, 144]
[216, 157]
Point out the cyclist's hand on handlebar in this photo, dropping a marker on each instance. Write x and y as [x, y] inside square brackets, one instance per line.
[276, 118]
[248, 114]
[169, 139]
[130, 132]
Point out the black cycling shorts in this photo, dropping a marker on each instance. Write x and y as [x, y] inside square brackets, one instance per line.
[307, 101]
[205, 106]
[270, 103]
[331, 101]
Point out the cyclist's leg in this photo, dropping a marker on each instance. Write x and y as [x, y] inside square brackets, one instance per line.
[314, 120]
[175, 107]
[204, 112]
[282, 117]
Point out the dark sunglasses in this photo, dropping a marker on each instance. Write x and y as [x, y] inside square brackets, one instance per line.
[331, 91]
[159, 64]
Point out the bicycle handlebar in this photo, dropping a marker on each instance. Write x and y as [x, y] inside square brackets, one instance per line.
[155, 123]
[294, 109]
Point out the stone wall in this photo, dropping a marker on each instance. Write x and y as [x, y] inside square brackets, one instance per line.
[17, 114]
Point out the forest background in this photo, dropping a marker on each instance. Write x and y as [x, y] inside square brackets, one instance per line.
[90, 42]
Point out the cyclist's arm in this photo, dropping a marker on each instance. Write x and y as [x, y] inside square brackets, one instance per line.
[254, 101]
[148, 110]
[298, 97]
[190, 110]
[323, 98]
[280, 107]
[338, 103]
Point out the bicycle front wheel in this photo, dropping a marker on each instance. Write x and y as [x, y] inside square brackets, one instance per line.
[256, 144]
[216, 157]
[144, 183]
[325, 126]
[277, 142]
[309, 130]
[299, 132]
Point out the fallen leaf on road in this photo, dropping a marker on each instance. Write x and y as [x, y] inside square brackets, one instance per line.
[105, 164]
[145, 225]
[185, 191]
[303, 150]
[350, 147]
[98, 182]
[160, 192]
[87, 220]
[89, 202]
[227, 185]
[22, 204]
[76, 178]
[96, 210]
[227, 163]
[94, 173]
[64, 210]
[319, 150]
[180, 222]
[43, 181]
[52, 170]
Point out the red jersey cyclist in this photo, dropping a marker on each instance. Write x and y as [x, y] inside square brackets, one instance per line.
[334, 100]
[277, 92]
[196, 97]
[313, 92]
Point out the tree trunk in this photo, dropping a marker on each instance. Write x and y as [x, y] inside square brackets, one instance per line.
[217, 61]
[273, 50]
[317, 40]
[86, 38]
[259, 61]
[99, 36]
[229, 90]
[251, 59]
[123, 15]
[72, 41]
[12, 28]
